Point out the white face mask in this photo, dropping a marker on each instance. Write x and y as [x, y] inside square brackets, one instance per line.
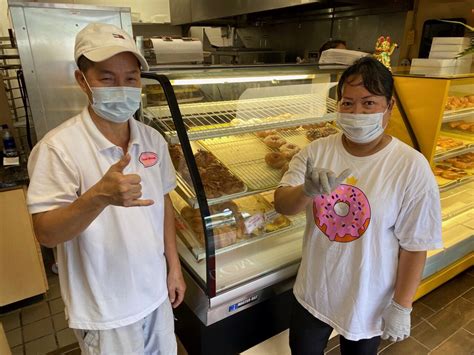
[361, 127]
[116, 104]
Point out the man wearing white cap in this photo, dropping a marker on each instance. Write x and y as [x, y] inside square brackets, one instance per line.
[99, 186]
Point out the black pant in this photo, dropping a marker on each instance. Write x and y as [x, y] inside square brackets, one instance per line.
[309, 336]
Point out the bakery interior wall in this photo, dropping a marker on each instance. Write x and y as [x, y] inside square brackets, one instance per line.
[360, 33]
[148, 17]
[433, 9]
[157, 11]
[4, 23]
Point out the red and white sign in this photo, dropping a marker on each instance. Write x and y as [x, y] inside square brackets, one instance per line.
[148, 159]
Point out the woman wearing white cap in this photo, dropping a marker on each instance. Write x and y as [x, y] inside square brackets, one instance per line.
[99, 186]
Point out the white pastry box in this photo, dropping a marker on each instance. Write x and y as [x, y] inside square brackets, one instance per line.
[340, 56]
[451, 41]
[448, 47]
[444, 55]
[437, 63]
[425, 66]
[438, 71]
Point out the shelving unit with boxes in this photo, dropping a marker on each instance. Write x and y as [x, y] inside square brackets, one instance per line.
[12, 107]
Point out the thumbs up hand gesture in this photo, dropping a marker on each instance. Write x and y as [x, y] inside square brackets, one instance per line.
[119, 189]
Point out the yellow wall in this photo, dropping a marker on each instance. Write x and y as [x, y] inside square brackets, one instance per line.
[423, 100]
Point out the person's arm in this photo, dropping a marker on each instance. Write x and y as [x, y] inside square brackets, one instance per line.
[410, 269]
[175, 280]
[290, 200]
[396, 317]
[65, 223]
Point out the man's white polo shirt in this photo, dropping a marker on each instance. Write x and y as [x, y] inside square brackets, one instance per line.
[114, 273]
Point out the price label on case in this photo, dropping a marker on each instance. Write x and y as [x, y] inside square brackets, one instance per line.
[271, 215]
[254, 222]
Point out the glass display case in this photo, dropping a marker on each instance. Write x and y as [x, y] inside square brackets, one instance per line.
[231, 133]
[230, 138]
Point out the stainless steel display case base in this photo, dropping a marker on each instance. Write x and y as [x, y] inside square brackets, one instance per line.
[256, 319]
[235, 300]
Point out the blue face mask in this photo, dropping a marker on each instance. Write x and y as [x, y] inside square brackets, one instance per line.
[115, 104]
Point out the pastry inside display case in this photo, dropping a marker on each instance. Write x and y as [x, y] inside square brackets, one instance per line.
[233, 105]
[233, 223]
[156, 96]
[453, 165]
[238, 165]
[454, 156]
[458, 116]
[460, 126]
[217, 180]
[459, 102]
[243, 133]
[239, 173]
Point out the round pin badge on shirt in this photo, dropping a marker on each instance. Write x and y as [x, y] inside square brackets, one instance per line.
[148, 159]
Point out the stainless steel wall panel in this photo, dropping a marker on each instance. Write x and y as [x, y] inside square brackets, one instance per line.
[212, 9]
[180, 12]
[45, 34]
[187, 11]
[360, 33]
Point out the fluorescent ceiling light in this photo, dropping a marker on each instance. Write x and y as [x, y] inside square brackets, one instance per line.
[247, 79]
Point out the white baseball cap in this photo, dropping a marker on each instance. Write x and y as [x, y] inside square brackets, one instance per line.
[99, 41]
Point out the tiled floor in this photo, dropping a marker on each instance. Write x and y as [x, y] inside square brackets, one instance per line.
[41, 327]
[442, 323]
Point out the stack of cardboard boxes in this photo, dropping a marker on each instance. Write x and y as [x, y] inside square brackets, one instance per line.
[443, 58]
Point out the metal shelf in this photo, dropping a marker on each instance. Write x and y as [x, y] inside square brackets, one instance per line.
[458, 114]
[185, 191]
[217, 119]
[457, 199]
[453, 153]
[456, 183]
[297, 222]
[9, 56]
[244, 156]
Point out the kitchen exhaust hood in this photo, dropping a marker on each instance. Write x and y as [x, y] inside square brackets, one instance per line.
[208, 12]
[197, 11]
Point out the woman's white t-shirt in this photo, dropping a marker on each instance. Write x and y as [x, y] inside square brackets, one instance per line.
[350, 253]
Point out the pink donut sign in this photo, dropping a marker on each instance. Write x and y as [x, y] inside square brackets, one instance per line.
[344, 215]
[148, 159]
